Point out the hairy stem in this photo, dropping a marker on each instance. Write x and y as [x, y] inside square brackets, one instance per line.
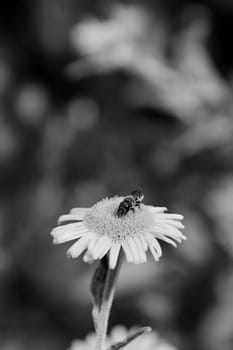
[108, 295]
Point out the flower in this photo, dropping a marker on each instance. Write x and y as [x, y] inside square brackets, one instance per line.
[99, 231]
[148, 341]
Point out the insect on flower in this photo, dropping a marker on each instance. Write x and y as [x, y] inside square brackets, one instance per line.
[98, 231]
[130, 203]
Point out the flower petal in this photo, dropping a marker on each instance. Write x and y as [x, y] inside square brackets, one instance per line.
[71, 226]
[152, 242]
[134, 250]
[114, 253]
[154, 253]
[68, 217]
[105, 249]
[78, 247]
[141, 251]
[165, 239]
[79, 212]
[89, 255]
[66, 237]
[88, 258]
[155, 210]
[143, 242]
[174, 223]
[152, 248]
[168, 229]
[68, 232]
[169, 216]
[100, 245]
[92, 243]
[128, 254]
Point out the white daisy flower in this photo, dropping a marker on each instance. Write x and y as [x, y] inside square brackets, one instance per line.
[99, 231]
[148, 341]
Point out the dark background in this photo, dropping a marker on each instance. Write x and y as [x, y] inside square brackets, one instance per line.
[141, 95]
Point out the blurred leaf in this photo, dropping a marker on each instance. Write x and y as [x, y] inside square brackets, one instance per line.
[97, 285]
[130, 338]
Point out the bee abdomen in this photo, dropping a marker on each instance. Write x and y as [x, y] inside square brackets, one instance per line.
[125, 206]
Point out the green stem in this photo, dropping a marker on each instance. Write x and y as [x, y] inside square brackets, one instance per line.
[108, 295]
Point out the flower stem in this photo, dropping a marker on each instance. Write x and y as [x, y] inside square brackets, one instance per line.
[108, 295]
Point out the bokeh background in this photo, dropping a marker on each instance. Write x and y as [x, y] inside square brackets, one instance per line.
[98, 98]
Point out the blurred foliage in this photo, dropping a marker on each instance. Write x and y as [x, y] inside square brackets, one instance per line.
[96, 99]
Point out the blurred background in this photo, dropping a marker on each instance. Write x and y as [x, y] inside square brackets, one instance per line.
[98, 98]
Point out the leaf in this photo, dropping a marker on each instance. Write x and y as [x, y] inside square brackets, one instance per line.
[98, 282]
[130, 338]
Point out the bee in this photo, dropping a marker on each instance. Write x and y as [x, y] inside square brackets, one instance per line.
[130, 203]
[138, 196]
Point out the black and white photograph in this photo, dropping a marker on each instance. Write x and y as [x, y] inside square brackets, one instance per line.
[116, 175]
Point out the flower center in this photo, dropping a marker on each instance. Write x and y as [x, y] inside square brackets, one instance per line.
[102, 219]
